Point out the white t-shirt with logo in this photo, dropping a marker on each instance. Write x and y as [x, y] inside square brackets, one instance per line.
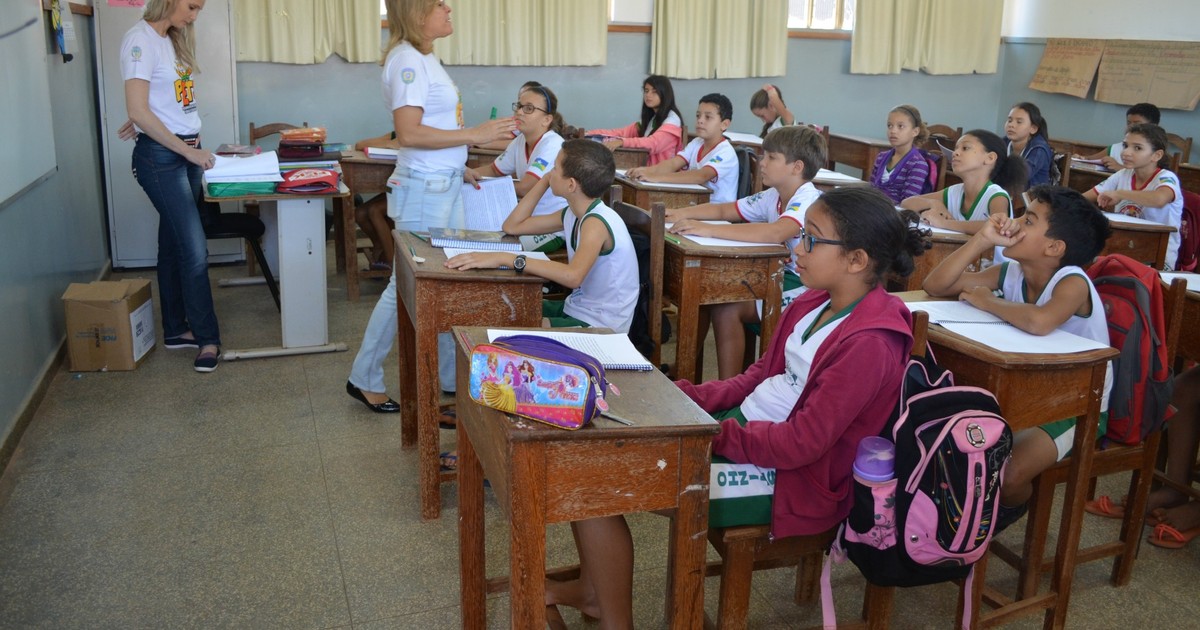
[764, 207]
[1170, 214]
[149, 56]
[723, 159]
[518, 160]
[413, 79]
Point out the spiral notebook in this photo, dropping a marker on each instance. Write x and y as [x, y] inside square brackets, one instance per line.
[985, 328]
[475, 240]
[614, 351]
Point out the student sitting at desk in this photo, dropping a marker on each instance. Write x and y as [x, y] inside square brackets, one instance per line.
[660, 129]
[1138, 114]
[987, 171]
[1145, 188]
[1043, 289]
[533, 152]
[768, 105]
[903, 170]
[1029, 137]
[792, 156]
[709, 160]
[828, 380]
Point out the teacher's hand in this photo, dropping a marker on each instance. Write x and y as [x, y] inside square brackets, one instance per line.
[493, 130]
[126, 131]
[202, 158]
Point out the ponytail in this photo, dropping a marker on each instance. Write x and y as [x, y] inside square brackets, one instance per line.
[867, 219]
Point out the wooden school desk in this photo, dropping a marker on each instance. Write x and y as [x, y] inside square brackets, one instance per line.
[296, 223]
[645, 194]
[1189, 177]
[945, 242]
[627, 158]
[1143, 241]
[541, 475]
[856, 151]
[480, 156]
[697, 275]
[827, 180]
[1189, 332]
[362, 176]
[1083, 177]
[1033, 389]
[430, 299]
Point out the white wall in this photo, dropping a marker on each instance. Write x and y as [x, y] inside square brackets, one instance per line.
[1162, 20]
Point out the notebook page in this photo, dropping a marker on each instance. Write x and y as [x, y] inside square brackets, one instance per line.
[614, 351]
[488, 207]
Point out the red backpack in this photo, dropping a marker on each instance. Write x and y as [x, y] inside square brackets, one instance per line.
[1189, 233]
[1133, 306]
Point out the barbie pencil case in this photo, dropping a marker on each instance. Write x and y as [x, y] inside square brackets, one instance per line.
[540, 379]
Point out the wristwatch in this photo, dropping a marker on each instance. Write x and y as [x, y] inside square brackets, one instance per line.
[519, 263]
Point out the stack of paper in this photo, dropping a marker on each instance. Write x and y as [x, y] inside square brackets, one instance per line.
[382, 153]
[263, 167]
[989, 330]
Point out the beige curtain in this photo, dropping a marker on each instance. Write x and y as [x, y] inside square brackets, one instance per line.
[936, 36]
[307, 31]
[719, 39]
[527, 33]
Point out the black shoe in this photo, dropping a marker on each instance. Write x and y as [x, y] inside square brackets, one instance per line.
[390, 406]
[207, 361]
[176, 343]
[1006, 516]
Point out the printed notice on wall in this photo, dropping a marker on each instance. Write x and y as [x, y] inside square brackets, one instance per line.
[1068, 66]
[1164, 73]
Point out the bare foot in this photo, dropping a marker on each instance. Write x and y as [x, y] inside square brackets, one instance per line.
[572, 593]
[1182, 517]
[1164, 498]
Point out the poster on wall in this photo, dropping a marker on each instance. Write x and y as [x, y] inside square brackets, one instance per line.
[1164, 73]
[1068, 66]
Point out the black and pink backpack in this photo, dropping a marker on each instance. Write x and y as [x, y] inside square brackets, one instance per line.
[935, 518]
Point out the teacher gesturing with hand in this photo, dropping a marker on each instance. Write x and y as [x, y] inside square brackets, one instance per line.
[158, 59]
[425, 189]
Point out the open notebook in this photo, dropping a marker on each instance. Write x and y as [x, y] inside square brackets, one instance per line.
[614, 351]
[977, 325]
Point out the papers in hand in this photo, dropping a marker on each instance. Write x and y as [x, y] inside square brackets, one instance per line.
[989, 330]
[614, 351]
[263, 167]
[488, 207]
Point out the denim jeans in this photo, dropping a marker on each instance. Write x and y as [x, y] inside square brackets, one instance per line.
[173, 186]
[416, 201]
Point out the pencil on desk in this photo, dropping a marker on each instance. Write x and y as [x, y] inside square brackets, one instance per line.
[673, 239]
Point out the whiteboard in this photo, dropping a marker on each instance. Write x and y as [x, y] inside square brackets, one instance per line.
[27, 149]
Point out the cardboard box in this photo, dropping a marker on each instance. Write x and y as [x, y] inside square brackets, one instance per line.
[110, 325]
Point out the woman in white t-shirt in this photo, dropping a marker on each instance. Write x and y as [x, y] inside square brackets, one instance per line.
[158, 59]
[425, 189]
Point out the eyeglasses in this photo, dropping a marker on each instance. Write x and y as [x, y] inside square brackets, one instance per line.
[808, 240]
[527, 108]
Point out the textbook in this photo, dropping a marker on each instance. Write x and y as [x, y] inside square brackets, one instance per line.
[989, 330]
[488, 207]
[238, 150]
[613, 350]
[476, 240]
[381, 153]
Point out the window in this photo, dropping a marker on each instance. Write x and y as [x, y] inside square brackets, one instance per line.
[383, 10]
[821, 14]
[631, 11]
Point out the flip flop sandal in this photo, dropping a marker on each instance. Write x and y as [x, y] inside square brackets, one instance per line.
[1168, 537]
[448, 461]
[448, 419]
[1105, 507]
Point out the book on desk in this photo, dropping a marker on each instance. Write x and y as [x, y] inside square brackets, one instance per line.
[475, 240]
[614, 351]
[990, 330]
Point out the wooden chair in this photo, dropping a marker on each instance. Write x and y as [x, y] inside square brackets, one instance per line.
[748, 548]
[251, 207]
[1139, 459]
[1185, 149]
[653, 225]
[939, 136]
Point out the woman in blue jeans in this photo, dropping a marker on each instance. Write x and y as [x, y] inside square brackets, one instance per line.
[424, 191]
[158, 58]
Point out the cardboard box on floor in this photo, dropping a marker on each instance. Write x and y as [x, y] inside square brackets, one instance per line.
[110, 325]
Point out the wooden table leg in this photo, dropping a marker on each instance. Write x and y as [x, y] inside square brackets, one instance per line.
[689, 326]
[1082, 454]
[428, 394]
[347, 244]
[688, 543]
[472, 565]
[406, 356]
[527, 538]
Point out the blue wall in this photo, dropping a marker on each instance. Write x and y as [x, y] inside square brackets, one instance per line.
[53, 234]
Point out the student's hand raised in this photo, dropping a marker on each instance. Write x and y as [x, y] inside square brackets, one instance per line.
[481, 260]
[493, 130]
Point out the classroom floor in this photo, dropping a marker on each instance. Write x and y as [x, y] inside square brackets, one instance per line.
[263, 496]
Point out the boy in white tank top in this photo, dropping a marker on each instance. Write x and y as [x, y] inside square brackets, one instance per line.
[1043, 289]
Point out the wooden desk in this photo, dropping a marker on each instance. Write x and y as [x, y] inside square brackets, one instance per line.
[1189, 177]
[827, 180]
[696, 275]
[1084, 177]
[541, 475]
[943, 245]
[430, 299]
[856, 151]
[295, 227]
[1034, 389]
[1189, 332]
[627, 158]
[362, 176]
[645, 194]
[1143, 242]
[480, 156]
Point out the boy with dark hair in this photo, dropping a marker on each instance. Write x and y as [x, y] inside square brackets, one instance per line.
[1137, 114]
[1042, 289]
[708, 160]
[792, 156]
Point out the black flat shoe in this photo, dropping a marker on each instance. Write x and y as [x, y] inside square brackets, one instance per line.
[390, 406]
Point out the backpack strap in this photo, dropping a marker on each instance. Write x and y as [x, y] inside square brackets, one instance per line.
[838, 555]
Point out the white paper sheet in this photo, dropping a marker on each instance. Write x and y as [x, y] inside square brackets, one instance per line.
[743, 138]
[987, 329]
[488, 207]
[1193, 279]
[1114, 217]
[451, 252]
